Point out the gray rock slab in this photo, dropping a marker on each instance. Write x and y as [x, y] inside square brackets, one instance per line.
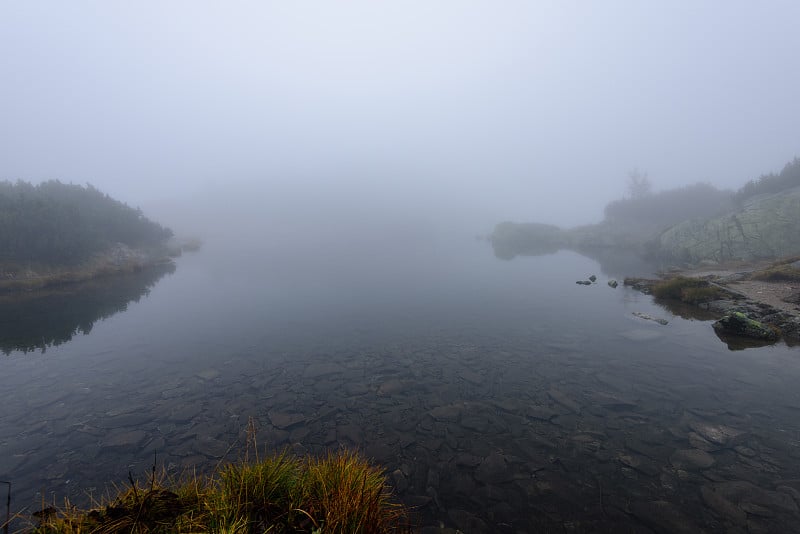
[349, 432]
[466, 521]
[129, 438]
[719, 434]
[320, 369]
[494, 470]
[691, 459]
[391, 387]
[471, 377]
[125, 420]
[540, 413]
[641, 334]
[285, 420]
[723, 507]
[663, 516]
[450, 412]
[640, 463]
[564, 400]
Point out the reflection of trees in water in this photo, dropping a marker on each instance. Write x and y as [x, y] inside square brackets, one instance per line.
[36, 321]
[505, 251]
[614, 262]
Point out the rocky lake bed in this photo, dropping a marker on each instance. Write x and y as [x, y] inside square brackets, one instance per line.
[479, 437]
[535, 406]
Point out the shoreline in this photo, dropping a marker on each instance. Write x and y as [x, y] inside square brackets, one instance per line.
[773, 303]
[118, 260]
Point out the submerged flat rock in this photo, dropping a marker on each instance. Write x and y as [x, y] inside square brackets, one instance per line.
[317, 370]
[494, 470]
[450, 412]
[719, 434]
[125, 439]
[285, 420]
[641, 334]
[691, 459]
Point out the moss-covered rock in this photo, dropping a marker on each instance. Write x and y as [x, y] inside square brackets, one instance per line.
[739, 324]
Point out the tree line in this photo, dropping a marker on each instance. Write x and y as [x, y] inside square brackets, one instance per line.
[701, 200]
[56, 223]
[771, 183]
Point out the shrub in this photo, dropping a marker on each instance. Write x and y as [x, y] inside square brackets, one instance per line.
[672, 288]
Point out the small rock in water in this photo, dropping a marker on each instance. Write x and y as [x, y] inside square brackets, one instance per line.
[584, 282]
[613, 284]
[646, 317]
[593, 278]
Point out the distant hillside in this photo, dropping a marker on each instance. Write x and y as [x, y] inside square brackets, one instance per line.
[684, 225]
[630, 223]
[60, 224]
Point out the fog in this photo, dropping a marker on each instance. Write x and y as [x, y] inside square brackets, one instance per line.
[422, 117]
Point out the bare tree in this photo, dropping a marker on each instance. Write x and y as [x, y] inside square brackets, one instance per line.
[639, 185]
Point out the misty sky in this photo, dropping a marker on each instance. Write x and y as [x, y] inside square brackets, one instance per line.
[487, 109]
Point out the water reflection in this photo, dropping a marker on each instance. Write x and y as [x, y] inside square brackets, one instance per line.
[499, 396]
[35, 321]
[614, 262]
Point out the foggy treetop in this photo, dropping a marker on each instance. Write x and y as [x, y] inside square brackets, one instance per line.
[55, 223]
[491, 111]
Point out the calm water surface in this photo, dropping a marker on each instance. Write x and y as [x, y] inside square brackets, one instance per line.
[499, 395]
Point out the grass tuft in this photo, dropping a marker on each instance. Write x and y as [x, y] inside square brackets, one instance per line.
[686, 289]
[335, 494]
[782, 272]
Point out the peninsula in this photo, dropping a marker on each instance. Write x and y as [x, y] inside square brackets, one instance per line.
[55, 233]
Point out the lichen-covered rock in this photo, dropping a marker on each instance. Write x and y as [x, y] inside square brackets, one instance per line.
[767, 226]
[738, 324]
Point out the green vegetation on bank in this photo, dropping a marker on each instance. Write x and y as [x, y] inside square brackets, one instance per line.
[339, 493]
[687, 289]
[786, 270]
[63, 224]
[788, 178]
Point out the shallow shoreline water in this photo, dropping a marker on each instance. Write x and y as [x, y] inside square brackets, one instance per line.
[494, 407]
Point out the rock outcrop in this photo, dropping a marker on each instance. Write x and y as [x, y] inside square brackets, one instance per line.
[767, 226]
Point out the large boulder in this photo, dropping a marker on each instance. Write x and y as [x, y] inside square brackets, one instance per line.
[767, 226]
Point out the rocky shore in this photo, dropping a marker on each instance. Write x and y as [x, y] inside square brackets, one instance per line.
[118, 259]
[745, 294]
